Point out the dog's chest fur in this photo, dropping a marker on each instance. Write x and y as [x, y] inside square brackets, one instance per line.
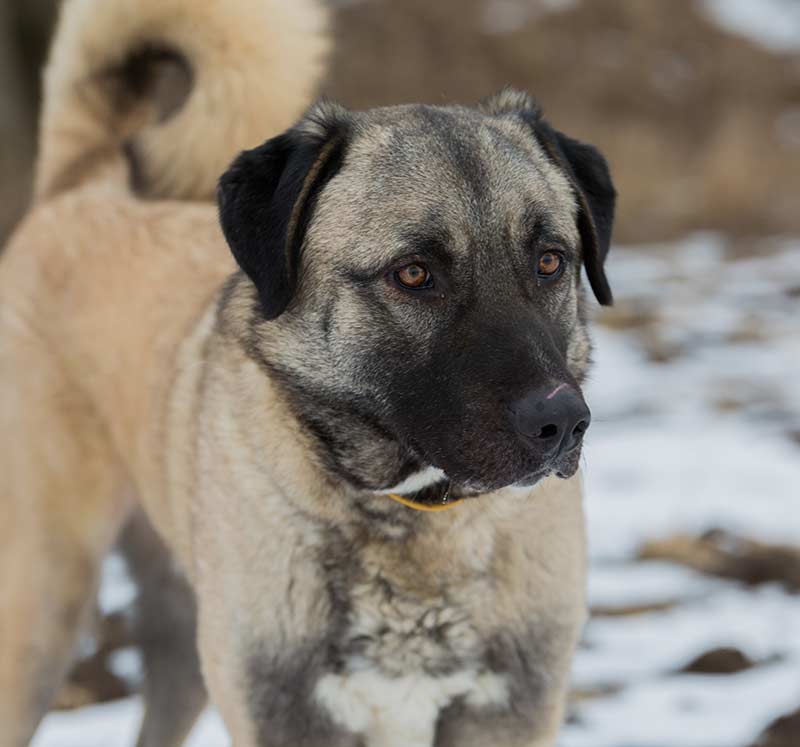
[407, 646]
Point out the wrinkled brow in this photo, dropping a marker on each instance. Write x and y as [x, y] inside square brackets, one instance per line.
[430, 240]
[536, 228]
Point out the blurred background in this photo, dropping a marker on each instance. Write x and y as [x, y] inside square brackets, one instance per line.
[693, 460]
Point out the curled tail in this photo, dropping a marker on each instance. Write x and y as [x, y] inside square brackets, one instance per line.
[180, 85]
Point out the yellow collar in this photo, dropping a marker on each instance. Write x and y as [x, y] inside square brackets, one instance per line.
[445, 502]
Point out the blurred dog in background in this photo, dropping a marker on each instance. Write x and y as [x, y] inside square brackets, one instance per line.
[210, 79]
[405, 333]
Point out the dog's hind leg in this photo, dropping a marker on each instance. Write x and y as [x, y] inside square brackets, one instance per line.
[166, 630]
[61, 503]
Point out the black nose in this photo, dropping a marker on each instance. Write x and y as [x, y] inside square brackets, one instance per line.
[554, 416]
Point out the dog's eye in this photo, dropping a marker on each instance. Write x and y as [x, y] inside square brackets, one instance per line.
[414, 276]
[551, 265]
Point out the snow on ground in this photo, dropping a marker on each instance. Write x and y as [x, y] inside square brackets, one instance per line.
[699, 440]
[775, 24]
[115, 725]
[695, 400]
[703, 436]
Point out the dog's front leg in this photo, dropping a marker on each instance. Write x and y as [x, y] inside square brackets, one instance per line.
[267, 622]
[263, 680]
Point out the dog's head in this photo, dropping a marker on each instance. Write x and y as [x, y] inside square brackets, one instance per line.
[421, 267]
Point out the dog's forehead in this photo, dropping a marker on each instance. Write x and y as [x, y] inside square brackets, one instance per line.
[472, 175]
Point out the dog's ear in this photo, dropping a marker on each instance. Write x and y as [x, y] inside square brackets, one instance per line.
[511, 101]
[588, 172]
[267, 198]
[596, 195]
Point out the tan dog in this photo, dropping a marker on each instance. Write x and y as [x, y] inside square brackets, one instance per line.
[406, 331]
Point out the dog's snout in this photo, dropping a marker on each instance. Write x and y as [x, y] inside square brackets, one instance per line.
[554, 416]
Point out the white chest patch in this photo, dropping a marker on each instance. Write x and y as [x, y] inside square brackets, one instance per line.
[402, 711]
[408, 651]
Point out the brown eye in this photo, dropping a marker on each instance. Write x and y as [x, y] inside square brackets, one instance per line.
[550, 265]
[414, 276]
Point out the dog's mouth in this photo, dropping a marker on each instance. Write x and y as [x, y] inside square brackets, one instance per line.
[563, 467]
[469, 468]
[567, 465]
[445, 493]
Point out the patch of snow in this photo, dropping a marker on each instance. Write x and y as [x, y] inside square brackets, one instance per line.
[117, 723]
[660, 458]
[688, 711]
[775, 24]
[646, 484]
[618, 585]
[117, 590]
[127, 663]
[639, 648]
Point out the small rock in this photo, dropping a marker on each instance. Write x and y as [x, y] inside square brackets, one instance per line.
[727, 404]
[793, 291]
[749, 329]
[603, 690]
[91, 682]
[783, 732]
[721, 553]
[657, 348]
[633, 609]
[724, 660]
[627, 314]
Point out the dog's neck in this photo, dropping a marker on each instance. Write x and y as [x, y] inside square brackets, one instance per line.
[356, 448]
[352, 444]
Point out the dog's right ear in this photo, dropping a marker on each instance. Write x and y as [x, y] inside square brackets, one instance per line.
[267, 197]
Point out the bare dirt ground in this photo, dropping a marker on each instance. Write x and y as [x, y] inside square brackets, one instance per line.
[701, 125]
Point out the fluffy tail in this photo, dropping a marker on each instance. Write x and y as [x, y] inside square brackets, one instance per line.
[180, 85]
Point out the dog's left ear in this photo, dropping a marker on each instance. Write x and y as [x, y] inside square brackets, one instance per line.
[267, 198]
[596, 195]
[589, 175]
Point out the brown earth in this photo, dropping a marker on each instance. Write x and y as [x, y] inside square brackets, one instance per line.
[696, 122]
[727, 555]
[723, 660]
[91, 679]
[783, 732]
[702, 128]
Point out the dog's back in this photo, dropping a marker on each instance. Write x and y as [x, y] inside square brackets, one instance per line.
[146, 100]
